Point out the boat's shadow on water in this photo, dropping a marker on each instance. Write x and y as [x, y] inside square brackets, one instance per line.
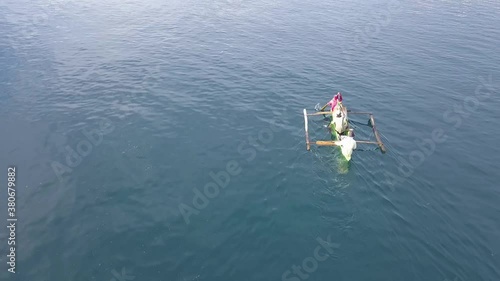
[343, 165]
[332, 161]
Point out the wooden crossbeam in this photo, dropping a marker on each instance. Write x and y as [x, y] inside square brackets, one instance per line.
[326, 143]
[335, 143]
[319, 113]
[367, 142]
[355, 112]
[330, 112]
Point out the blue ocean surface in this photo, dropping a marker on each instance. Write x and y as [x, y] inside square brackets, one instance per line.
[164, 140]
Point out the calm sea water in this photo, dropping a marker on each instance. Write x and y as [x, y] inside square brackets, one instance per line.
[163, 140]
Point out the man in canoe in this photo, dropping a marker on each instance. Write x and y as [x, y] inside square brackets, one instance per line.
[339, 114]
[337, 98]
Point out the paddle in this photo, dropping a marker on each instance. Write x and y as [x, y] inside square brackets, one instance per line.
[320, 109]
[323, 108]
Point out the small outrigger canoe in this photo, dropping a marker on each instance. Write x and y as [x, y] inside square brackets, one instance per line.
[342, 134]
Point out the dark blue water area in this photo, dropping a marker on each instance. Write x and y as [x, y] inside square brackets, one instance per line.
[164, 140]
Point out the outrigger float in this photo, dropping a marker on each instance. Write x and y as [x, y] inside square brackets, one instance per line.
[342, 134]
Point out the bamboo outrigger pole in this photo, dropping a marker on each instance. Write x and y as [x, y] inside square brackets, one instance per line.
[308, 146]
[336, 143]
[380, 143]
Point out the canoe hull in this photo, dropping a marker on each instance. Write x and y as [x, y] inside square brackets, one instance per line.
[339, 126]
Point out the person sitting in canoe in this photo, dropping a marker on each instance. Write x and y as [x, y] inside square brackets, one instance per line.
[339, 114]
[337, 98]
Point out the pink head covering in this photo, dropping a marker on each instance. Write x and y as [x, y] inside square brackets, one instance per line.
[333, 102]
